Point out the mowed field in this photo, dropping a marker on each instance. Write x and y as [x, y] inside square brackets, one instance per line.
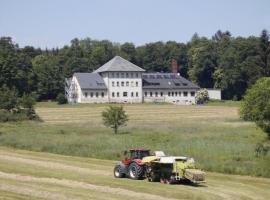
[35, 175]
[71, 155]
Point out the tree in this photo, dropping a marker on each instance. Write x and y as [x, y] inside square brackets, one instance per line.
[114, 117]
[15, 66]
[202, 62]
[264, 51]
[50, 78]
[8, 99]
[256, 104]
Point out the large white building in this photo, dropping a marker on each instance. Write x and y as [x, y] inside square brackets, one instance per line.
[120, 81]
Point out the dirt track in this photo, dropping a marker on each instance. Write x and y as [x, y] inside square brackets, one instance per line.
[48, 176]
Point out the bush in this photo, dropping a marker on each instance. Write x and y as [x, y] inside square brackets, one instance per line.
[13, 108]
[256, 104]
[27, 103]
[61, 99]
[6, 116]
[202, 96]
[262, 148]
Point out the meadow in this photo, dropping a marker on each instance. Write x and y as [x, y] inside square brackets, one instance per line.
[213, 134]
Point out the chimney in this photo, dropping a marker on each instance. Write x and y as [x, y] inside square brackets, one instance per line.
[174, 66]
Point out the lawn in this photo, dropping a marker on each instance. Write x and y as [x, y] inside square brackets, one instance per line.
[212, 134]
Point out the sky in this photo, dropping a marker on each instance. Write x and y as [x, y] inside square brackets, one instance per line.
[54, 23]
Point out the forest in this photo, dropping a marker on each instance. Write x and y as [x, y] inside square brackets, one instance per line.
[229, 63]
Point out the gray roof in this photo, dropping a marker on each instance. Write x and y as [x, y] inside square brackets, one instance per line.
[166, 81]
[119, 64]
[90, 81]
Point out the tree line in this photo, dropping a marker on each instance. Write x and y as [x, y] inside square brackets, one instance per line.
[229, 63]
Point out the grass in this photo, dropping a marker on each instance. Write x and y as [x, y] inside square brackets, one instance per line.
[212, 134]
[35, 175]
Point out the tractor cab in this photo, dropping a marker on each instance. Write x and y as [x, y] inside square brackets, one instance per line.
[137, 154]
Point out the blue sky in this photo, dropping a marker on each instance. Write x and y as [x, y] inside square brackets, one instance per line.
[52, 23]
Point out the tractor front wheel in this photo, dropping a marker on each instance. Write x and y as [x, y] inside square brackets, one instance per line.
[118, 172]
[135, 171]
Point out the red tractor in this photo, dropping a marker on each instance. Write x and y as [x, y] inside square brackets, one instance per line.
[132, 166]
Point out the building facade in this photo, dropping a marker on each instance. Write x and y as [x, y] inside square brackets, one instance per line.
[120, 81]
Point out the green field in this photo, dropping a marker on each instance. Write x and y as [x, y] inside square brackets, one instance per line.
[213, 134]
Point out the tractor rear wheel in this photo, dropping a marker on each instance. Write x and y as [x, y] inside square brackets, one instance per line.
[135, 171]
[118, 172]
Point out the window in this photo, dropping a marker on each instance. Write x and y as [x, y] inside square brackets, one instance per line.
[125, 94]
[131, 94]
[172, 94]
[161, 94]
[127, 83]
[85, 94]
[122, 75]
[122, 83]
[117, 75]
[132, 84]
[156, 94]
[145, 94]
[113, 83]
[137, 84]
[102, 94]
[151, 94]
[117, 94]
[127, 75]
[96, 94]
[137, 94]
[176, 94]
[91, 94]
[192, 94]
[112, 94]
[169, 94]
[185, 94]
[180, 94]
[131, 74]
[112, 74]
[117, 83]
[137, 75]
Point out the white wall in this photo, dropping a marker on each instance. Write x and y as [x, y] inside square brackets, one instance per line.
[120, 82]
[214, 94]
[74, 91]
[89, 96]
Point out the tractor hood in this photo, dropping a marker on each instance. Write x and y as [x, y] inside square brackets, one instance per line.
[149, 159]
